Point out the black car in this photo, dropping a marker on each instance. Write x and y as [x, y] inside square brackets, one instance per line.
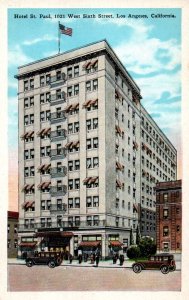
[52, 259]
[164, 262]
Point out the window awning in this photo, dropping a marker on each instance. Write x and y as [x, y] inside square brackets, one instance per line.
[135, 207]
[39, 133]
[41, 167]
[30, 134]
[117, 94]
[75, 144]
[87, 103]
[86, 64]
[68, 145]
[74, 106]
[92, 180]
[119, 166]
[25, 187]
[86, 180]
[44, 185]
[118, 183]
[135, 145]
[46, 131]
[94, 101]
[118, 130]
[68, 108]
[26, 244]
[116, 244]
[46, 167]
[24, 204]
[29, 204]
[27, 135]
[94, 62]
[89, 244]
[54, 233]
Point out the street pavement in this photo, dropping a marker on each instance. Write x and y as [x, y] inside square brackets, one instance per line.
[80, 278]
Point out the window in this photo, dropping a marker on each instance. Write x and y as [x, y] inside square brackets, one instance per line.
[69, 73]
[95, 84]
[76, 71]
[77, 202]
[95, 162]
[178, 228]
[58, 75]
[76, 127]
[70, 202]
[77, 183]
[26, 102]
[26, 85]
[95, 201]
[96, 220]
[89, 202]
[165, 197]
[69, 91]
[42, 80]
[70, 184]
[76, 89]
[77, 164]
[70, 128]
[88, 86]
[70, 165]
[165, 213]
[95, 142]
[31, 84]
[165, 231]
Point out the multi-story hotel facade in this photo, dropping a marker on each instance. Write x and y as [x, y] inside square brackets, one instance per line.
[89, 153]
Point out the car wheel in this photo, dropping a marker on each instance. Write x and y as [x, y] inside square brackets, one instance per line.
[52, 264]
[58, 261]
[172, 269]
[164, 269]
[137, 268]
[29, 263]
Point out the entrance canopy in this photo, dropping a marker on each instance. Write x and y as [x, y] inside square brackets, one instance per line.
[89, 244]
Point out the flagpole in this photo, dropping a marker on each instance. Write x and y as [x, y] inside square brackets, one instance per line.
[58, 36]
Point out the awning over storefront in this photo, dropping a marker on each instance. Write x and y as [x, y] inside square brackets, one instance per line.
[116, 244]
[26, 244]
[54, 233]
[89, 244]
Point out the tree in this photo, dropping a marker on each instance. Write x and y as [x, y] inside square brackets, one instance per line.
[138, 236]
[131, 237]
[133, 252]
[147, 246]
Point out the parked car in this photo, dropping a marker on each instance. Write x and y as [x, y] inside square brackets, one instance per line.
[52, 259]
[164, 262]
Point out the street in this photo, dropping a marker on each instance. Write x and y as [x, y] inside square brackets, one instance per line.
[76, 278]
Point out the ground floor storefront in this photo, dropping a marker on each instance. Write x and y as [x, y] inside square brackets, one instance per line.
[106, 242]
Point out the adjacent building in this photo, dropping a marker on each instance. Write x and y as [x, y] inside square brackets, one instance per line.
[169, 216]
[89, 153]
[12, 234]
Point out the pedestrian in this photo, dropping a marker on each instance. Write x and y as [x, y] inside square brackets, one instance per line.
[114, 259]
[97, 259]
[70, 258]
[121, 259]
[80, 258]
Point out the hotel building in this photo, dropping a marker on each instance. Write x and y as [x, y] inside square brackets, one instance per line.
[89, 153]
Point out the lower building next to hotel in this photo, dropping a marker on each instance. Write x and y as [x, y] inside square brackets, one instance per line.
[169, 216]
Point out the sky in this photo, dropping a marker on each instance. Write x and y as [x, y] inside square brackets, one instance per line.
[149, 48]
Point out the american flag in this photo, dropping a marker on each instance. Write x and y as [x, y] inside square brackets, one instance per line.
[65, 30]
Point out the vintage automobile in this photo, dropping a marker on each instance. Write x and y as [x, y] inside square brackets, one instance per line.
[52, 259]
[164, 262]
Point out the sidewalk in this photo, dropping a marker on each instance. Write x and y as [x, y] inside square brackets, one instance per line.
[75, 263]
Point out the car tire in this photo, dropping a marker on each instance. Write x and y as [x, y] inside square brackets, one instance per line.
[51, 264]
[164, 269]
[137, 268]
[172, 269]
[58, 261]
[29, 263]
